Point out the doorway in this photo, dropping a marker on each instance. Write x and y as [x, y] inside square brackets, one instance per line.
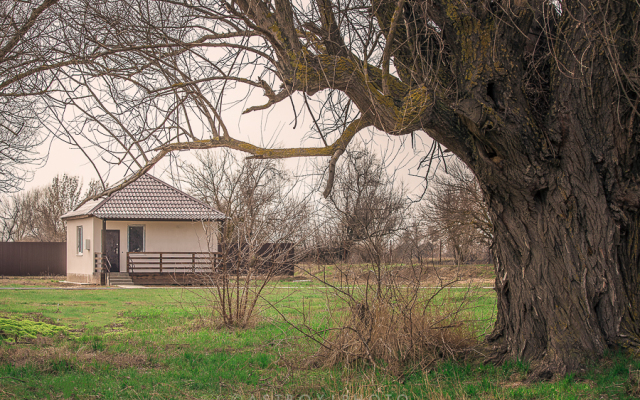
[112, 244]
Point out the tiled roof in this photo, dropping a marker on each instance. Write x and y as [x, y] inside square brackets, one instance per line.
[148, 198]
[84, 209]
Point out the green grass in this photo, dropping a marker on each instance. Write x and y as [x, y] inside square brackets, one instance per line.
[159, 344]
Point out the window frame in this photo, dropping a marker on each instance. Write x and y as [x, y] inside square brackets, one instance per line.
[144, 236]
[79, 240]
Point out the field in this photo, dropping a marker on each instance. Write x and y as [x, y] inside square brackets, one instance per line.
[162, 343]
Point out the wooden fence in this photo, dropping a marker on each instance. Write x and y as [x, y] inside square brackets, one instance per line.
[33, 258]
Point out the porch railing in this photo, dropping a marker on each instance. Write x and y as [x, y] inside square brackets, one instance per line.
[101, 263]
[172, 262]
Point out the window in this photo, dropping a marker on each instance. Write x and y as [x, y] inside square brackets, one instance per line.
[79, 239]
[136, 238]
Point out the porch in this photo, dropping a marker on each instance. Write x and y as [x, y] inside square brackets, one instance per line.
[159, 268]
[192, 268]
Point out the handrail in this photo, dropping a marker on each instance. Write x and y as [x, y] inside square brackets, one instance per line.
[101, 262]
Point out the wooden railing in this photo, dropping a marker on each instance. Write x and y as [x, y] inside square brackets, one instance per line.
[172, 262]
[101, 263]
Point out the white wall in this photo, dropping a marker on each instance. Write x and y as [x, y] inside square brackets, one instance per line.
[160, 236]
[80, 267]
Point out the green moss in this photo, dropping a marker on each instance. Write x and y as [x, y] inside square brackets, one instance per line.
[13, 329]
[416, 102]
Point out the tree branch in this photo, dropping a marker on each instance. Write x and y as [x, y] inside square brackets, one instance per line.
[386, 55]
[271, 95]
[333, 41]
[25, 28]
[335, 150]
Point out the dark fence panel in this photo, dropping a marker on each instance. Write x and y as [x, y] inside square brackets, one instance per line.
[276, 258]
[33, 258]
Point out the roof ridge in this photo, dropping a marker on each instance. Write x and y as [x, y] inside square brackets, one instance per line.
[99, 204]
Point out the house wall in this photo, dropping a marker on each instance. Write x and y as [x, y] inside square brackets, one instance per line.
[165, 236]
[80, 267]
[168, 236]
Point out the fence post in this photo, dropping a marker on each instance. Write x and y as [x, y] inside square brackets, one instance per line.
[193, 262]
[160, 262]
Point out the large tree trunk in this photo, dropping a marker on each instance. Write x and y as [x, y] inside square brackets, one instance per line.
[560, 172]
[567, 268]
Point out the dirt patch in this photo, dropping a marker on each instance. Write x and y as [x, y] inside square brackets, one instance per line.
[36, 281]
[51, 358]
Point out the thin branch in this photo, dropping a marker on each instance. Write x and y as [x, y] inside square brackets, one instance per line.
[386, 55]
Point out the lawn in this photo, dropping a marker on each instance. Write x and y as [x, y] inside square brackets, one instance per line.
[161, 344]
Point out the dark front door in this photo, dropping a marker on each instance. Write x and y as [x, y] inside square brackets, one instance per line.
[112, 243]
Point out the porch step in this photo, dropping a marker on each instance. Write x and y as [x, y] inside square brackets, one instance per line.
[119, 278]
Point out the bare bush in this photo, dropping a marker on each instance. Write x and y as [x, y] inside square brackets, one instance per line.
[381, 313]
[257, 240]
[399, 337]
[383, 316]
[364, 212]
[455, 212]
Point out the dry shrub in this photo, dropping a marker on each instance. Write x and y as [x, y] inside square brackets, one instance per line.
[384, 316]
[398, 338]
[633, 386]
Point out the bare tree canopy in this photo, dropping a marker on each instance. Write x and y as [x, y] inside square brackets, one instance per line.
[539, 99]
[365, 209]
[454, 211]
[34, 215]
[24, 55]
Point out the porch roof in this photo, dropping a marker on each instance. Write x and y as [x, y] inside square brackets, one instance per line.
[147, 198]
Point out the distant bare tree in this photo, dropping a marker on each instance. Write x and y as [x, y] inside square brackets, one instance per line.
[414, 243]
[455, 212]
[364, 204]
[34, 215]
[264, 222]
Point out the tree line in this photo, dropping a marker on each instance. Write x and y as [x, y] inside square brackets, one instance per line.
[264, 204]
[34, 215]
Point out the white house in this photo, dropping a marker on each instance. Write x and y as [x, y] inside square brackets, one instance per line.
[147, 227]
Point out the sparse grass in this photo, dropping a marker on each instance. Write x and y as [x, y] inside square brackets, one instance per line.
[159, 344]
[35, 281]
